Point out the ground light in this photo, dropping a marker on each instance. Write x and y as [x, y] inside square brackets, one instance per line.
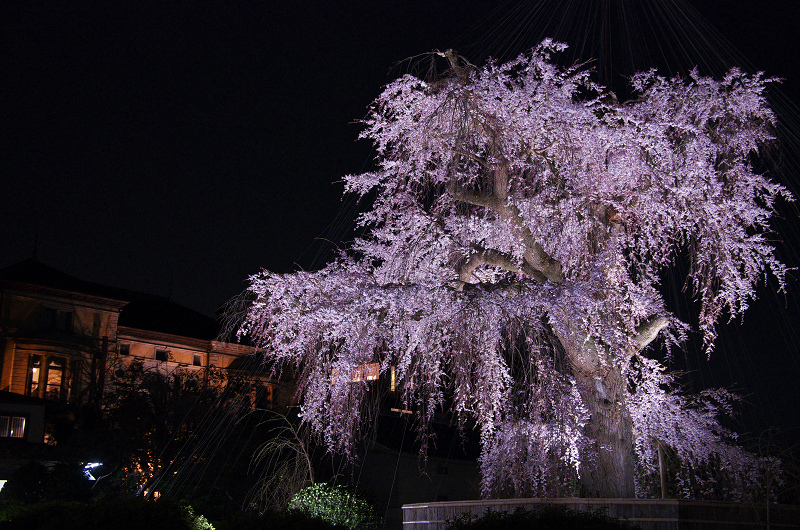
[87, 469]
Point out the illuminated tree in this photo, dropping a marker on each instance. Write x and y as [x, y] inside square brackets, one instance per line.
[510, 272]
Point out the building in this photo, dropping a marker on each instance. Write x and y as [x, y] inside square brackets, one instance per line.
[62, 340]
[64, 343]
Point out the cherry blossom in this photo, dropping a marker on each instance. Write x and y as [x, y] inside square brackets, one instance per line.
[521, 218]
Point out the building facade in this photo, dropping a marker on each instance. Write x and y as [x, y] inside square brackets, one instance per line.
[64, 340]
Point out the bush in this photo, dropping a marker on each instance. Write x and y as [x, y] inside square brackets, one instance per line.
[338, 505]
[121, 514]
[26, 484]
[11, 509]
[33, 482]
[545, 518]
[292, 520]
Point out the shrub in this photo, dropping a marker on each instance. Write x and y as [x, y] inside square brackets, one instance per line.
[290, 520]
[10, 509]
[26, 484]
[337, 505]
[33, 482]
[545, 518]
[121, 514]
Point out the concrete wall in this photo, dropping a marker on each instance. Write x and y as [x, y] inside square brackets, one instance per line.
[648, 514]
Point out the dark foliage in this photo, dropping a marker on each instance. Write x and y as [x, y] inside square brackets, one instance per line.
[26, 483]
[121, 514]
[545, 518]
[33, 482]
[291, 520]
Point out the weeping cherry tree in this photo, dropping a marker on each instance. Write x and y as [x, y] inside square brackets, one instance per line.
[521, 218]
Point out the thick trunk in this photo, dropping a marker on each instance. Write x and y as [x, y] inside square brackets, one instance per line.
[603, 388]
[611, 475]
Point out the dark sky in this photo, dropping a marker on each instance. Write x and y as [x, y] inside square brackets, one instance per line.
[190, 146]
[178, 147]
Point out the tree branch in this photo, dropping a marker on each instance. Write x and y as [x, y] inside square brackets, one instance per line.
[476, 198]
[535, 256]
[497, 259]
[647, 331]
[471, 156]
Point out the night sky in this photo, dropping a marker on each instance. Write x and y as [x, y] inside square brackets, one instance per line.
[177, 147]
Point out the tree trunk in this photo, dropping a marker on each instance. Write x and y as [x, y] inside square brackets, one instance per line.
[611, 475]
[603, 388]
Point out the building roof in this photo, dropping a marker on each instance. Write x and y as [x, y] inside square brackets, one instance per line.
[18, 399]
[143, 311]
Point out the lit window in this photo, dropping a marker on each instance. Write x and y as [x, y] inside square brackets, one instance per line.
[363, 372]
[162, 355]
[12, 426]
[366, 372]
[36, 368]
[261, 396]
[372, 371]
[55, 377]
[393, 380]
[47, 377]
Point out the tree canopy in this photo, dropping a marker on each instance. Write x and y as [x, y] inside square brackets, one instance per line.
[510, 272]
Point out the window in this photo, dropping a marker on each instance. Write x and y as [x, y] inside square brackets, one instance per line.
[261, 396]
[56, 320]
[393, 380]
[363, 372]
[162, 355]
[124, 349]
[47, 377]
[197, 361]
[36, 369]
[366, 372]
[12, 426]
[372, 371]
[55, 378]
